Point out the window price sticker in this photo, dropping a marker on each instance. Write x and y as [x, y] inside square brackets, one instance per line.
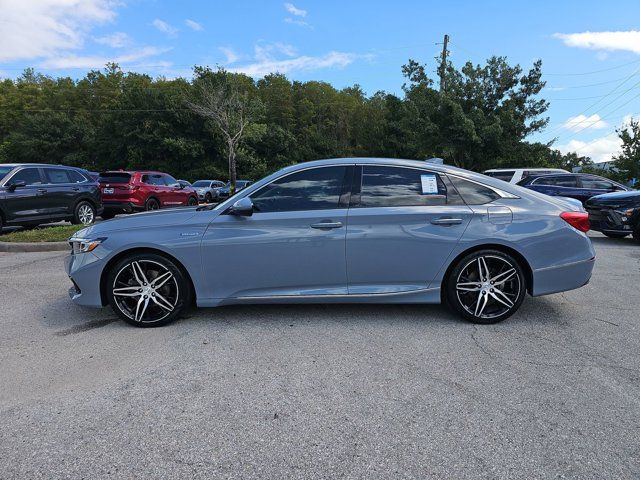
[429, 184]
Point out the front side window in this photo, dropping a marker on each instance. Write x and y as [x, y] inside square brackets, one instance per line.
[384, 186]
[30, 176]
[474, 193]
[312, 189]
[170, 181]
[56, 175]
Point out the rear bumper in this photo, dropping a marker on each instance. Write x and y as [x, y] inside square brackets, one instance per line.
[127, 207]
[562, 277]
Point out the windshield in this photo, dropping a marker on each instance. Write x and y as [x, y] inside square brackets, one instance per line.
[4, 171]
[200, 183]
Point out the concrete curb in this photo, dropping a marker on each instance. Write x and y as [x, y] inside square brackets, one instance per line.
[34, 246]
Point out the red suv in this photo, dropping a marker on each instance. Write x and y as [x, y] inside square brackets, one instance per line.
[135, 191]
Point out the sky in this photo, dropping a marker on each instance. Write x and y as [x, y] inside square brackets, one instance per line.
[590, 49]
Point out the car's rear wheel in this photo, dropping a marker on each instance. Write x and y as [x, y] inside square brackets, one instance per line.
[148, 290]
[192, 202]
[615, 235]
[486, 286]
[84, 213]
[152, 204]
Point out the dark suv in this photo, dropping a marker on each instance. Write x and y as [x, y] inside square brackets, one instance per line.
[616, 214]
[580, 186]
[31, 194]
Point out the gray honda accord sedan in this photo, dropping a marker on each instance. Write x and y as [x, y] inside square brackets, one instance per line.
[335, 231]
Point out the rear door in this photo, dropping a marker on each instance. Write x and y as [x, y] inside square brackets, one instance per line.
[402, 225]
[593, 185]
[25, 203]
[60, 193]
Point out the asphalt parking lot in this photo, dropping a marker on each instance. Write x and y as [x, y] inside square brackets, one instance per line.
[322, 391]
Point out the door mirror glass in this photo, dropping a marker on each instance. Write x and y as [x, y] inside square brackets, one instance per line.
[243, 207]
[16, 184]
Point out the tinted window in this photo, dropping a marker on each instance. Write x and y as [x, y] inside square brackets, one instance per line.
[506, 176]
[4, 171]
[56, 175]
[557, 181]
[400, 187]
[473, 193]
[30, 176]
[170, 181]
[313, 189]
[114, 177]
[76, 177]
[596, 183]
[201, 184]
[153, 180]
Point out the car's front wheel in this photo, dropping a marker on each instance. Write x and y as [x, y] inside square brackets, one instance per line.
[148, 290]
[208, 198]
[192, 202]
[486, 286]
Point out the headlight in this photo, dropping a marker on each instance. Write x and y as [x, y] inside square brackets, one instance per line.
[84, 245]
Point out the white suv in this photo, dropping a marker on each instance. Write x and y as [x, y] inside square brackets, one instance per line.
[514, 175]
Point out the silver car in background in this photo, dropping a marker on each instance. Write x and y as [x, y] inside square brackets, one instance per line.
[335, 231]
[208, 190]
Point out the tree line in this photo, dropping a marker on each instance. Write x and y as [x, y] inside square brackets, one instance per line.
[112, 119]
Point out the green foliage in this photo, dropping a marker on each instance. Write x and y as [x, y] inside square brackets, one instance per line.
[628, 162]
[56, 233]
[112, 119]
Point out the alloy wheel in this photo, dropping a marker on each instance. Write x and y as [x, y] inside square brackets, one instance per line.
[86, 214]
[145, 291]
[488, 287]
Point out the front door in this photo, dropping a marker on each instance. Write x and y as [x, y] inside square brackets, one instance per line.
[25, 203]
[293, 244]
[402, 226]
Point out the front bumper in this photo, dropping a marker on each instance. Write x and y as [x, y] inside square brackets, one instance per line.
[84, 271]
[608, 220]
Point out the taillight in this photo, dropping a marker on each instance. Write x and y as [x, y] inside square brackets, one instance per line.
[578, 220]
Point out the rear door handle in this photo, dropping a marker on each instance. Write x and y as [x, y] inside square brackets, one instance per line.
[446, 221]
[327, 225]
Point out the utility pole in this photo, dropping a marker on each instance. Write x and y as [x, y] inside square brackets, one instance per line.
[443, 64]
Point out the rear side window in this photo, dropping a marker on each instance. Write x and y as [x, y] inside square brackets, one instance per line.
[114, 177]
[473, 193]
[56, 175]
[400, 187]
[76, 177]
[30, 176]
[507, 175]
[153, 180]
[596, 183]
[313, 189]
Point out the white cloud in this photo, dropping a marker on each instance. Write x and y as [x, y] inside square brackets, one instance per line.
[193, 25]
[33, 29]
[582, 122]
[97, 61]
[599, 150]
[265, 51]
[230, 54]
[295, 21]
[301, 63]
[293, 10]
[115, 40]
[164, 27]
[626, 40]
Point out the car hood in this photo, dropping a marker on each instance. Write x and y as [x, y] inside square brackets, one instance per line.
[616, 199]
[156, 218]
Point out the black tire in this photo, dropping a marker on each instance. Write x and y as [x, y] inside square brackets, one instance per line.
[192, 202]
[108, 215]
[636, 234]
[208, 198]
[466, 288]
[152, 204]
[1, 222]
[84, 213]
[132, 305]
[615, 235]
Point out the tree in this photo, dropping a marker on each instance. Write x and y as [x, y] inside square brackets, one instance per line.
[219, 99]
[628, 162]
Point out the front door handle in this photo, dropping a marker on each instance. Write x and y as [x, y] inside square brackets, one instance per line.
[446, 221]
[327, 225]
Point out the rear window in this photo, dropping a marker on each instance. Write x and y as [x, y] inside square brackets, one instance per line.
[114, 177]
[201, 183]
[505, 175]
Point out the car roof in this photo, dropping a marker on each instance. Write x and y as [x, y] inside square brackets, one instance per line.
[536, 169]
[14, 165]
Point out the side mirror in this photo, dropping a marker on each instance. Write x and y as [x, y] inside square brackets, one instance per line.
[243, 207]
[18, 184]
